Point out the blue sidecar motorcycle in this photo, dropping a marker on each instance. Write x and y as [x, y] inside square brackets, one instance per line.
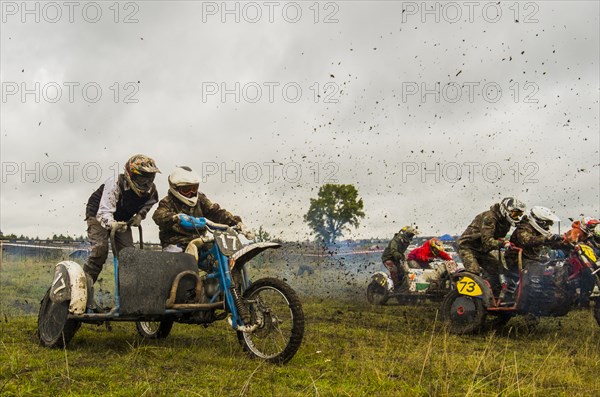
[207, 283]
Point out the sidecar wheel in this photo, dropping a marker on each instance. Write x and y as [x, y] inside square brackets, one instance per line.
[377, 294]
[275, 307]
[463, 314]
[154, 329]
[54, 327]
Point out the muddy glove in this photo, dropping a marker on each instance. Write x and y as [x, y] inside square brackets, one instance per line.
[506, 244]
[118, 227]
[136, 220]
[249, 234]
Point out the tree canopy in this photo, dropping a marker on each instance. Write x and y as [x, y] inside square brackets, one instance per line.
[335, 209]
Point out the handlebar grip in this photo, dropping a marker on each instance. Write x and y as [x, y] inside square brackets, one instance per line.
[218, 226]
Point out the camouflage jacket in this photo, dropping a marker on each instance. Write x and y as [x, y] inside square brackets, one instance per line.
[483, 233]
[170, 232]
[530, 240]
[396, 248]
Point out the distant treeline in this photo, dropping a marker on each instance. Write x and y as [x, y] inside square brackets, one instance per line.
[55, 237]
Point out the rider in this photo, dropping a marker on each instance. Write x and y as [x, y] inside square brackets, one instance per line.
[184, 198]
[532, 234]
[127, 197]
[582, 232]
[485, 234]
[393, 255]
[420, 257]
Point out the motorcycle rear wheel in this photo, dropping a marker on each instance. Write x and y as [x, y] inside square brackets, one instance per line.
[154, 329]
[54, 327]
[376, 293]
[463, 314]
[277, 310]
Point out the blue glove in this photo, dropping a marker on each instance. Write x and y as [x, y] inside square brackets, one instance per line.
[189, 222]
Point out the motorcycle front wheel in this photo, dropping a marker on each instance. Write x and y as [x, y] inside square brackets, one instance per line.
[376, 293]
[276, 310]
[54, 327]
[154, 329]
[463, 314]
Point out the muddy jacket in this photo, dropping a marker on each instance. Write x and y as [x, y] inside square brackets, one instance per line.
[483, 233]
[170, 232]
[575, 234]
[423, 255]
[396, 248]
[530, 240]
[114, 200]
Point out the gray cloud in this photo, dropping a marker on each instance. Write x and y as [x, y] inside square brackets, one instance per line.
[369, 137]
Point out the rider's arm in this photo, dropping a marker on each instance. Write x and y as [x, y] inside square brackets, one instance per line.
[445, 256]
[108, 203]
[215, 213]
[524, 239]
[488, 230]
[395, 250]
[165, 216]
[149, 203]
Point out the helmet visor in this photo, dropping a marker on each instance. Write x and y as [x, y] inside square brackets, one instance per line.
[188, 191]
[143, 180]
[516, 214]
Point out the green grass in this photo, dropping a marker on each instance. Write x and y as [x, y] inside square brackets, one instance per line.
[349, 349]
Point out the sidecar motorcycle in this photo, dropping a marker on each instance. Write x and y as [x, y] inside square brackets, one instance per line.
[547, 289]
[157, 289]
[430, 284]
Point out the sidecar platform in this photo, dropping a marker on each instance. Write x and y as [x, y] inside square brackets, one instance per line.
[146, 277]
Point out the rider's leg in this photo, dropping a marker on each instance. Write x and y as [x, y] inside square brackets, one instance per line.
[98, 238]
[394, 273]
[493, 267]
[469, 260]
[123, 239]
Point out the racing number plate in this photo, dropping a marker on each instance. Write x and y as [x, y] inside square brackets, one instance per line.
[227, 241]
[467, 286]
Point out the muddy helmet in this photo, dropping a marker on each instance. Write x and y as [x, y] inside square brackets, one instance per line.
[541, 218]
[512, 209]
[589, 225]
[410, 231]
[139, 172]
[436, 246]
[183, 184]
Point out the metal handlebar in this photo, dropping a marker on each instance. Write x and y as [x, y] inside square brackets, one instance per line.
[129, 224]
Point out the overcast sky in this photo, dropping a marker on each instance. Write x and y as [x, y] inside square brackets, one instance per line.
[269, 100]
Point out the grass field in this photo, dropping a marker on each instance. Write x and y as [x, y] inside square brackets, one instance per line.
[349, 349]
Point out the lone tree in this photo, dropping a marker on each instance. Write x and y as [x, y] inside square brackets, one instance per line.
[335, 208]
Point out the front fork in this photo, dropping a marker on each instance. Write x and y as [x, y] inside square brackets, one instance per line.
[240, 316]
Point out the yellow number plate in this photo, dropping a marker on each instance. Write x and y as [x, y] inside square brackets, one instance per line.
[588, 251]
[467, 286]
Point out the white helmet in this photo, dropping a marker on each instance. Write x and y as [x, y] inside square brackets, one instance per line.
[541, 218]
[512, 209]
[183, 184]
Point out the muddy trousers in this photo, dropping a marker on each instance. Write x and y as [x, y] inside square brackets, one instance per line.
[398, 272]
[474, 261]
[99, 238]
